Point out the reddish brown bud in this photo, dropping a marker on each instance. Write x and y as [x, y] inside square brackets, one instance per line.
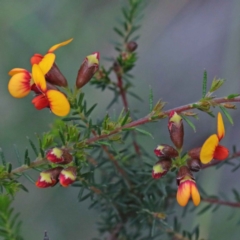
[194, 153]
[165, 150]
[58, 155]
[55, 77]
[175, 127]
[194, 165]
[183, 172]
[87, 69]
[161, 168]
[68, 176]
[131, 46]
[48, 178]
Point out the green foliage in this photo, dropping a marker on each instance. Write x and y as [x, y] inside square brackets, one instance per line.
[113, 169]
[9, 222]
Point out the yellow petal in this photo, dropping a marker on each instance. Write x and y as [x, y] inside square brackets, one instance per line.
[17, 70]
[195, 194]
[183, 193]
[59, 104]
[55, 47]
[208, 148]
[38, 78]
[20, 85]
[47, 62]
[220, 127]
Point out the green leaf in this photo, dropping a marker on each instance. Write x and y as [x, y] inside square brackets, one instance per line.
[33, 146]
[216, 84]
[90, 110]
[236, 195]
[204, 84]
[225, 112]
[2, 157]
[144, 132]
[119, 32]
[150, 99]
[62, 137]
[125, 118]
[17, 154]
[9, 167]
[67, 119]
[204, 209]
[189, 122]
[231, 96]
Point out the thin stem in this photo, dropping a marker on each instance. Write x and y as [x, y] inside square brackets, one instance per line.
[220, 202]
[148, 119]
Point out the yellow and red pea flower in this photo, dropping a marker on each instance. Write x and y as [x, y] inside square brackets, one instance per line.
[53, 99]
[48, 178]
[187, 189]
[58, 155]
[21, 82]
[68, 176]
[211, 148]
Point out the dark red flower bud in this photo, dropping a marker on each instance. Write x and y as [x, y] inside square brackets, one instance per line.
[175, 127]
[58, 155]
[194, 153]
[68, 176]
[55, 77]
[165, 150]
[131, 46]
[183, 172]
[87, 69]
[161, 168]
[194, 165]
[48, 178]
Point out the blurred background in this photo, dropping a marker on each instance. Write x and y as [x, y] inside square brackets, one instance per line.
[179, 40]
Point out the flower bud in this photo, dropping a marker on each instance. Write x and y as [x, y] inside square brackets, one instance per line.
[194, 153]
[183, 172]
[131, 46]
[87, 69]
[58, 155]
[68, 176]
[161, 168]
[165, 150]
[194, 165]
[175, 127]
[55, 77]
[48, 178]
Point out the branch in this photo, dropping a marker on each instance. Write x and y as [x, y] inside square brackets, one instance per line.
[148, 119]
[220, 202]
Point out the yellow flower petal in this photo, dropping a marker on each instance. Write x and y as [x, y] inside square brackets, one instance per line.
[208, 148]
[183, 193]
[220, 127]
[17, 70]
[20, 84]
[59, 104]
[195, 194]
[55, 47]
[38, 78]
[47, 62]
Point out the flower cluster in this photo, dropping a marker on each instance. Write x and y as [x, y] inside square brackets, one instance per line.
[65, 176]
[170, 157]
[46, 77]
[43, 79]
